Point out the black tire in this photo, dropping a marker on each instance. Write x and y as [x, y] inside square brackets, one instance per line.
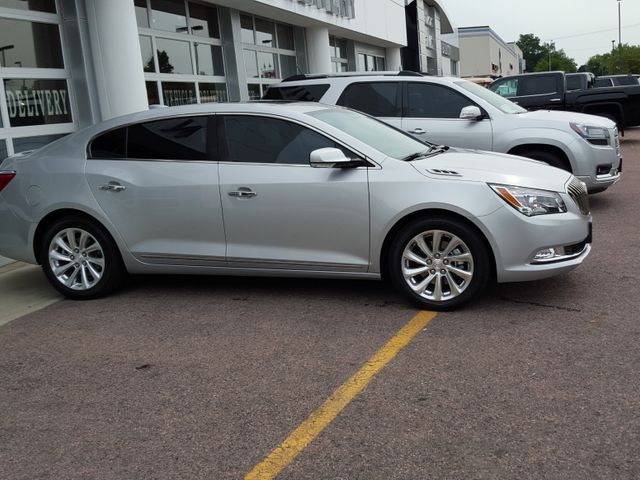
[473, 243]
[112, 273]
[550, 158]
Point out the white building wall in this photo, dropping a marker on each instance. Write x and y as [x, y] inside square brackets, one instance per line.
[483, 53]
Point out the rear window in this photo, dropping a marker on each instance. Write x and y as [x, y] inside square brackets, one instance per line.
[298, 93]
[378, 99]
[538, 85]
[112, 144]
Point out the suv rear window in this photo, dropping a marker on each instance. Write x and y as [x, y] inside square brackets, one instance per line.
[538, 85]
[300, 93]
[378, 99]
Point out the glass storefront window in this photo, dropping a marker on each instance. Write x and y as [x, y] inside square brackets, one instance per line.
[246, 24]
[212, 92]
[142, 16]
[152, 93]
[288, 66]
[204, 20]
[29, 44]
[265, 33]
[168, 15]
[178, 93]
[254, 91]
[209, 59]
[267, 65]
[146, 49]
[285, 37]
[37, 101]
[48, 6]
[174, 56]
[33, 143]
[251, 63]
[3, 150]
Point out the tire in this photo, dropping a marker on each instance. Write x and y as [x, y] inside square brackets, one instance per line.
[417, 270]
[547, 157]
[94, 267]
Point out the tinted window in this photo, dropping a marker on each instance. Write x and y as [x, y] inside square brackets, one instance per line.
[183, 138]
[625, 81]
[434, 101]
[268, 140]
[110, 145]
[377, 99]
[602, 82]
[538, 85]
[304, 93]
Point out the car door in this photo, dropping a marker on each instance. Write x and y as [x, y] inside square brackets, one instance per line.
[279, 212]
[540, 92]
[432, 112]
[380, 99]
[157, 181]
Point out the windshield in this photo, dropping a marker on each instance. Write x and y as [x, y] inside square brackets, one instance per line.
[501, 103]
[384, 138]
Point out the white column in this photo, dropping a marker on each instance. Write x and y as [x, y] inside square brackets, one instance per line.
[318, 50]
[117, 60]
[394, 59]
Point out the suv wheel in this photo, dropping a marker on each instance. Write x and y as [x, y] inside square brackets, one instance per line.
[439, 263]
[550, 158]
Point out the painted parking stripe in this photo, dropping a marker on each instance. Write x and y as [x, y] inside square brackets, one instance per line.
[308, 430]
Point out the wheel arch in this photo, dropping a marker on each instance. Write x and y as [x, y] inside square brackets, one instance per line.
[430, 213]
[522, 149]
[56, 215]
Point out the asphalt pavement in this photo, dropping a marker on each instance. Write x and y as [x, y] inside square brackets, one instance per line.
[202, 377]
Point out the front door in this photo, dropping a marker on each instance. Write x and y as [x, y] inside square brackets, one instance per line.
[279, 212]
[432, 113]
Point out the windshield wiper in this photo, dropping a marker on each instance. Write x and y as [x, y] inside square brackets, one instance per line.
[432, 150]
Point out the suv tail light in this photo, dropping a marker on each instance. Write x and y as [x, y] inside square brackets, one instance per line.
[5, 178]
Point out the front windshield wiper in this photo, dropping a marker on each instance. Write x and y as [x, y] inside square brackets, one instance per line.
[432, 150]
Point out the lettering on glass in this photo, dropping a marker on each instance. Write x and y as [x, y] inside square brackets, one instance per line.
[37, 102]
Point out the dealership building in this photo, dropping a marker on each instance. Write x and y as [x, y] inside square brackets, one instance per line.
[65, 64]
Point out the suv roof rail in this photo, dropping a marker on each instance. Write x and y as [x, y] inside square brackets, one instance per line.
[314, 76]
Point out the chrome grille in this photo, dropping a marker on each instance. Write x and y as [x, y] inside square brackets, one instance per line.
[577, 190]
[616, 141]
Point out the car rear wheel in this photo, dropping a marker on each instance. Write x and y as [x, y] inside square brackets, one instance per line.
[80, 259]
[439, 263]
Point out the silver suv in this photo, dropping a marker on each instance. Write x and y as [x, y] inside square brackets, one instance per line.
[459, 113]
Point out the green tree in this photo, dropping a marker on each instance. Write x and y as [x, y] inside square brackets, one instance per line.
[622, 60]
[559, 60]
[532, 49]
[598, 64]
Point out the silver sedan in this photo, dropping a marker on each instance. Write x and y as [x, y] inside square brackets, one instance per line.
[288, 190]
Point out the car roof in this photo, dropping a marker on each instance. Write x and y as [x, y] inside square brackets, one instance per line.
[345, 79]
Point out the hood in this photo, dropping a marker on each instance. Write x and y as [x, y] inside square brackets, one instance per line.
[489, 167]
[567, 117]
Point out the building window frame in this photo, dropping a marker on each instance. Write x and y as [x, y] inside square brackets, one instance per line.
[193, 41]
[7, 132]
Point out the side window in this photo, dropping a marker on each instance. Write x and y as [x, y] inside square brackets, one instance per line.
[301, 93]
[110, 145]
[379, 99]
[268, 140]
[425, 100]
[538, 85]
[180, 138]
[507, 88]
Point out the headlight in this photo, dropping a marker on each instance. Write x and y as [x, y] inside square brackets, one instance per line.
[595, 135]
[529, 201]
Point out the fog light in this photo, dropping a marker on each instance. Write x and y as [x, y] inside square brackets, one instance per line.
[603, 169]
[545, 254]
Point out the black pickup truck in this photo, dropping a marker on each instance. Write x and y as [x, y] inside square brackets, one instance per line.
[548, 91]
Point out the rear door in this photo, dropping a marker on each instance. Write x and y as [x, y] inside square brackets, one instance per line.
[432, 112]
[157, 182]
[379, 99]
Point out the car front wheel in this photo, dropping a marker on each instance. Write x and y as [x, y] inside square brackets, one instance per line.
[80, 259]
[439, 263]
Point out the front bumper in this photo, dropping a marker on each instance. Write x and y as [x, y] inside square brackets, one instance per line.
[519, 238]
[599, 167]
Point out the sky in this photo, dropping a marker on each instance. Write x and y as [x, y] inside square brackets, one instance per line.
[553, 20]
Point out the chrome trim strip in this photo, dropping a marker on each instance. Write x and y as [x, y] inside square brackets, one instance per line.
[288, 264]
[562, 258]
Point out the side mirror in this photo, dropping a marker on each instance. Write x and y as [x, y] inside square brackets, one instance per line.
[330, 158]
[471, 113]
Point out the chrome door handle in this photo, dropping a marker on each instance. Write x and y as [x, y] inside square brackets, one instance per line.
[555, 99]
[417, 131]
[112, 187]
[243, 193]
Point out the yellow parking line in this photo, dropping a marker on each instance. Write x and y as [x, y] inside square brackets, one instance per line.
[308, 430]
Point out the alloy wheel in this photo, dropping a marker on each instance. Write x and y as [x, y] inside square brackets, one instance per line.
[76, 259]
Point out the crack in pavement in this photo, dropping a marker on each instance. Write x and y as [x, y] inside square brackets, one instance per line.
[542, 305]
